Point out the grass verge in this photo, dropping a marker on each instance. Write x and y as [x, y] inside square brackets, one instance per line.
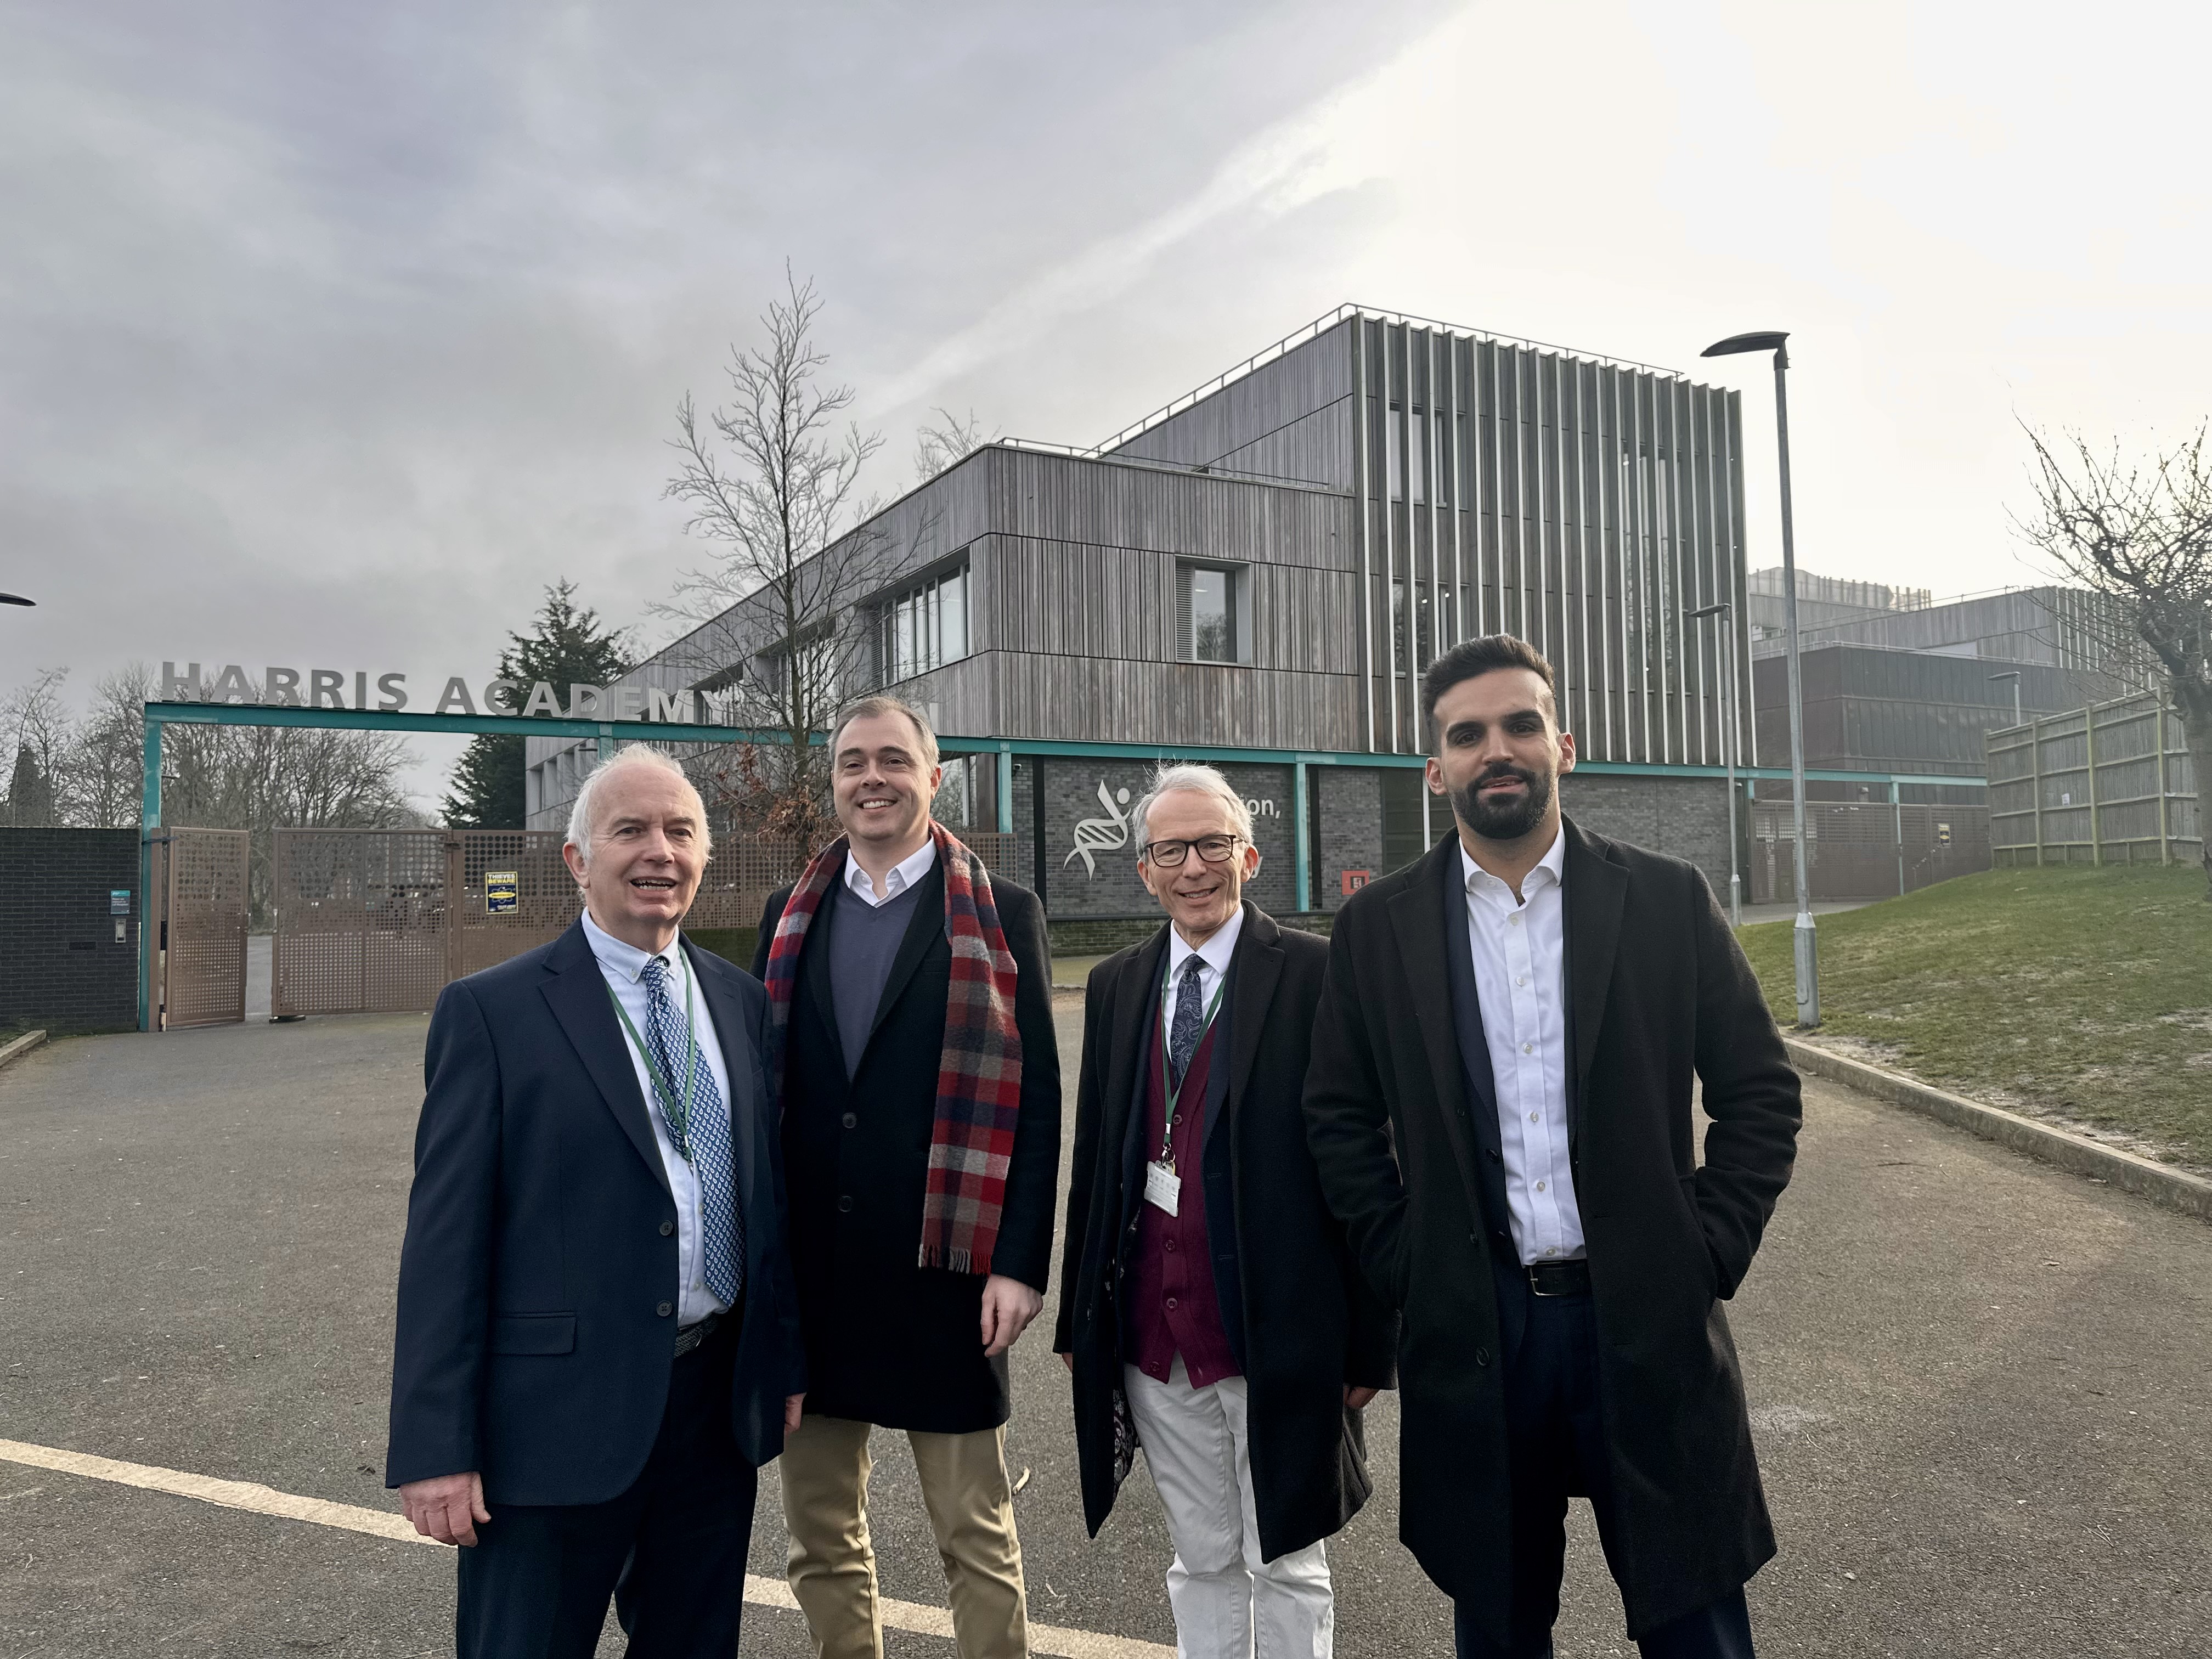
[2081, 993]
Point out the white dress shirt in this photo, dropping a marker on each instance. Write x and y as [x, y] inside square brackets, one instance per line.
[1213, 959]
[1520, 979]
[623, 965]
[903, 875]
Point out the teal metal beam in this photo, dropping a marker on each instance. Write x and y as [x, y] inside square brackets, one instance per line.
[149, 825]
[618, 731]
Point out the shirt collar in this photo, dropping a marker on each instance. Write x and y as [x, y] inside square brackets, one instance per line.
[617, 957]
[904, 873]
[1552, 866]
[1214, 953]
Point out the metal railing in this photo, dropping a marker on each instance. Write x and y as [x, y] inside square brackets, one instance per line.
[1320, 325]
[2110, 783]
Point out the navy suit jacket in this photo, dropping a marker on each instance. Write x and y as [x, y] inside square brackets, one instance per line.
[537, 1322]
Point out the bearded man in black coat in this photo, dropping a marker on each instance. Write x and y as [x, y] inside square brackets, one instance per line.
[1499, 1103]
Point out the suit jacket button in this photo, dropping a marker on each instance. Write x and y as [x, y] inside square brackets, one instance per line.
[666, 1308]
[1482, 1356]
[852, 1120]
[845, 1203]
[667, 1228]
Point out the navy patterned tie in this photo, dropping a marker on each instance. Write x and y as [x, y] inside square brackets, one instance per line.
[705, 1137]
[1189, 1019]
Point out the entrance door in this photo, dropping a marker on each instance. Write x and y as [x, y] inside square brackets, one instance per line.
[199, 879]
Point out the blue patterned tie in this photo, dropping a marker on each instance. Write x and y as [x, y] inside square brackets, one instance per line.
[706, 1132]
[1189, 1017]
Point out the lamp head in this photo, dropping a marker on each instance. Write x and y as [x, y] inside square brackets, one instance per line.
[1770, 341]
[15, 598]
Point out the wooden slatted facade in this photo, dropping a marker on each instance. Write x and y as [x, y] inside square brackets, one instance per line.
[1382, 490]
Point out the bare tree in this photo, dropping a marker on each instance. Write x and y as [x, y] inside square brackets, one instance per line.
[103, 783]
[771, 479]
[936, 448]
[35, 728]
[2140, 534]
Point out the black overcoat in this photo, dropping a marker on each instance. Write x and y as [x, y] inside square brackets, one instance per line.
[889, 1341]
[1657, 992]
[1309, 1324]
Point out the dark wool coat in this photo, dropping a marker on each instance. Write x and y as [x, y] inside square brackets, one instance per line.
[1302, 1322]
[889, 1341]
[1658, 994]
[537, 1319]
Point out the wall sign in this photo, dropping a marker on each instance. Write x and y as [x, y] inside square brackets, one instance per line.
[327, 688]
[502, 892]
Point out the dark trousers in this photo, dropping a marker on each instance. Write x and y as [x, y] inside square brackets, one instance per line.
[1557, 1450]
[670, 1550]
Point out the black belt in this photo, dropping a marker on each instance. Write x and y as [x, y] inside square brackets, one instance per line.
[692, 1335]
[1558, 1278]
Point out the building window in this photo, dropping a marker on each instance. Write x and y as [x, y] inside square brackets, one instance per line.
[1212, 613]
[925, 627]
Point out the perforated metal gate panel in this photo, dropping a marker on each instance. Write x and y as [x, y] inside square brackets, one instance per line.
[202, 978]
[379, 920]
[360, 921]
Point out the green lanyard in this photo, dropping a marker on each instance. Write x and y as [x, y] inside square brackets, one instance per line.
[679, 1120]
[1173, 1090]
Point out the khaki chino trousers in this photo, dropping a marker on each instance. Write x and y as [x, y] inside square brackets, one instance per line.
[971, 1509]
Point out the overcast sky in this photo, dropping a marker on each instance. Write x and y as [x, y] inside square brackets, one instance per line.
[331, 335]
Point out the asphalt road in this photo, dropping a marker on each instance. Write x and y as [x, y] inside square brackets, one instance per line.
[1980, 1386]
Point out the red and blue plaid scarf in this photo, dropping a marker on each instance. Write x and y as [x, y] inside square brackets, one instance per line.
[979, 1073]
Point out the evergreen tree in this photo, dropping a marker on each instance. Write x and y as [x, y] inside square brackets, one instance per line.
[570, 645]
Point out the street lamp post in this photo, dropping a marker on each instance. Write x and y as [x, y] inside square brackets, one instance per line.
[1804, 937]
[2013, 676]
[1726, 612]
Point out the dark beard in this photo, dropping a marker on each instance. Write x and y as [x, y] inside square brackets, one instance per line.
[1502, 820]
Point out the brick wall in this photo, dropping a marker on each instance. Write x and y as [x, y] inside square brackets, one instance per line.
[1686, 817]
[61, 965]
[1105, 884]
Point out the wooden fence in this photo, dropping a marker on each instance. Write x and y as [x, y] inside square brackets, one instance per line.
[2108, 784]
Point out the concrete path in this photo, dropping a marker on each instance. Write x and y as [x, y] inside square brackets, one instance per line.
[1979, 1386]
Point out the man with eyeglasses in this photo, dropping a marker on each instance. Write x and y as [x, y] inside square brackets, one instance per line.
[1210, 1310]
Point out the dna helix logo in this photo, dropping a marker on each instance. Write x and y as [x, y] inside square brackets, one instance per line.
[1106, 835]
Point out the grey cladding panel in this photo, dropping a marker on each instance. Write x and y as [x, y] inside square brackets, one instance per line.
[1084, 699]
[1269, 399]
[1054, 497]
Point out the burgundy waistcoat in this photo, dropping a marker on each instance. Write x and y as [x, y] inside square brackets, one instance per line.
[1172, 1308]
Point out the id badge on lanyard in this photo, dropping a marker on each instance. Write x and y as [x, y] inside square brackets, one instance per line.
[1163, 1186]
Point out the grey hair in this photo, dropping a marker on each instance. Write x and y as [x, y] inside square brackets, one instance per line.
[583, 815]
[1199, 780]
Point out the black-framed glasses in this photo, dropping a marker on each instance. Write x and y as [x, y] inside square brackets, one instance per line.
[1212, 849]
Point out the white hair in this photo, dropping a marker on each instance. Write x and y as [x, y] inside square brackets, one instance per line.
[1199, 781]
[583, 815]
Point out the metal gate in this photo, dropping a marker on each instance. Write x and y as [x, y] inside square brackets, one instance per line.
[1873, 849]
[379, 920]
[198, 948]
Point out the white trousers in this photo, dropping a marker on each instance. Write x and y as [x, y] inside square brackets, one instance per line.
[1228, 1603]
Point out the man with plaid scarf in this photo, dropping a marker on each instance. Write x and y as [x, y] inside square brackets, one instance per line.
[911, 997]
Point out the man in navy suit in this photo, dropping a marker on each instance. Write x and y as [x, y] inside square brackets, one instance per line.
[598, 1341]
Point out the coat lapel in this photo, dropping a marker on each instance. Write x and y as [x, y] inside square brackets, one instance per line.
[738, 1062]
[582, 1004]
[1136, 993]
[1417, 917]
[1254, 970]
[814, 963]
[1597, 890]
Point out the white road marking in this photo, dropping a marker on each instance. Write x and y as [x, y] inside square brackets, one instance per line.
[909, 1616]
